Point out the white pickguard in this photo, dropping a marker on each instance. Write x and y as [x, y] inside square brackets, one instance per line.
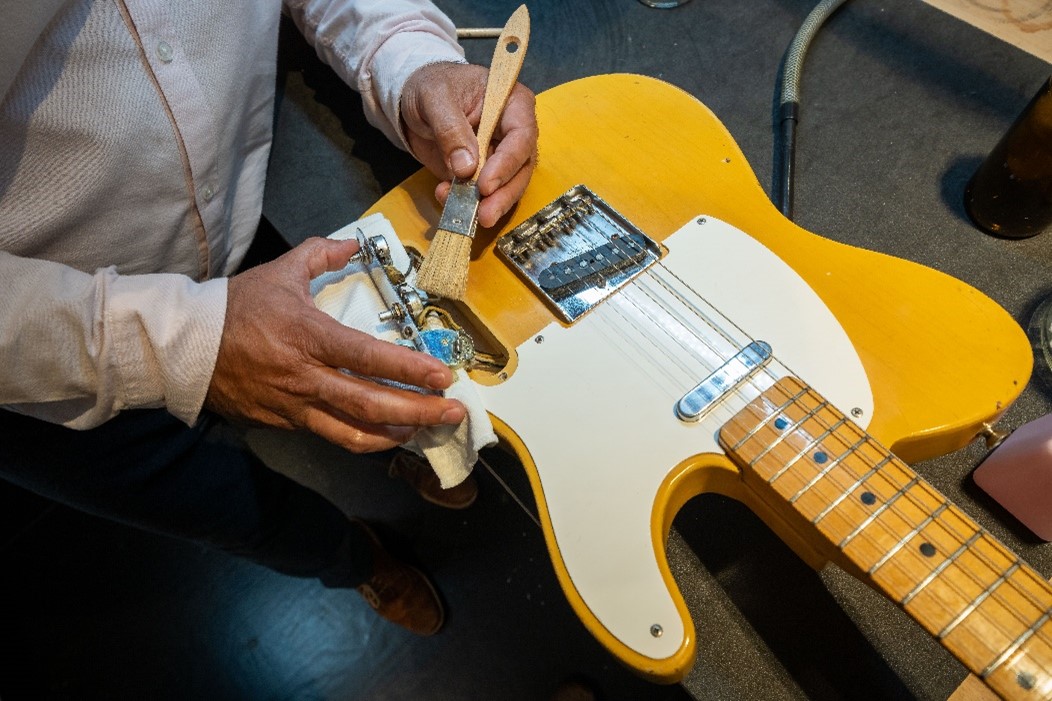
[594, 405]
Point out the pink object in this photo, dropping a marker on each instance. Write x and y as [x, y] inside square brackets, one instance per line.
[1018, 475]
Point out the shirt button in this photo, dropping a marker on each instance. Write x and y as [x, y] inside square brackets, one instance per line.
[208, 193]
[165, 52]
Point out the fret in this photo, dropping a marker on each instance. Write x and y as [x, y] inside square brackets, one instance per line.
[941, 568]
[945, 632]
[820, 481]
[989, 609]
[960, 578]
[970, 595]
[1024, 673]
[891, 553]
[877, 512]
[813, 443]
[1016, 644]
[869, 497]
[761, 424]
[851, 490]
[825, 472]
[788, 432]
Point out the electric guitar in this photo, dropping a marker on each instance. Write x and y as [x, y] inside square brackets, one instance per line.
[656, 329]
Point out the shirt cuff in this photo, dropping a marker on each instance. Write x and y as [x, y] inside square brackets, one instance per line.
[165, 333]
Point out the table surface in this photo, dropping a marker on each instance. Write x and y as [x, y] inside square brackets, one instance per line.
[900, 103]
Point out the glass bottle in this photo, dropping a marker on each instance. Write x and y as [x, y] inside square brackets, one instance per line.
[1010, 195]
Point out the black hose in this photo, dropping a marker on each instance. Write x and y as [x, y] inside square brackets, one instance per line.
[789, 103]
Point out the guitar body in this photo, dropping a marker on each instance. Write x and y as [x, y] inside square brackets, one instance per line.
[920, 360]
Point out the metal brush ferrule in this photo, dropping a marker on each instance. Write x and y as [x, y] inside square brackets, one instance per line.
[461, 211]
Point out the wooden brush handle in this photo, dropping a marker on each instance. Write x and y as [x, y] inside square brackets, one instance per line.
[503, 74]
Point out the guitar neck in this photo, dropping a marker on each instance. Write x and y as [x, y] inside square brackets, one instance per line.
[986, 606]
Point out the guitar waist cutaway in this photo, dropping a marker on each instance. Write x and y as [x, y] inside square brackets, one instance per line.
[577, 251]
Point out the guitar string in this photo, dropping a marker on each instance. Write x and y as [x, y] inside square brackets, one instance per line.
[681, 320]
[630, 347]
[598, 231]
[678, 359]
[883, 476]
[588, 223]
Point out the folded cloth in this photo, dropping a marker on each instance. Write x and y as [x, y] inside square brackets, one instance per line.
[351, 297]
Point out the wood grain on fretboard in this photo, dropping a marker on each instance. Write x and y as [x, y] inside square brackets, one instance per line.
[986, 606]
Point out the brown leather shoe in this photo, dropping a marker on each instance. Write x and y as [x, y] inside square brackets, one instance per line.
[575, 690]
[418, 473]
[401, 593]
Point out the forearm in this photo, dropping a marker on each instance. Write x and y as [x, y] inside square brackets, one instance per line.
[375, 45]
[78, 348]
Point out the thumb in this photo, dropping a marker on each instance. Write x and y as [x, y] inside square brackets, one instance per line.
[438, 100]
[323, 255]
[455, 138]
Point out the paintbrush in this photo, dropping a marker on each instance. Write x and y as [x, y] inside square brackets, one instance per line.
[444, 272]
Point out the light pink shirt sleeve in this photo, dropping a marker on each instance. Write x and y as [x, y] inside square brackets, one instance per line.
[90, 344]
[123, 341]
[375, 45]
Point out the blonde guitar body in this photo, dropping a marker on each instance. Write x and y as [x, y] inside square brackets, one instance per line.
[920, 361]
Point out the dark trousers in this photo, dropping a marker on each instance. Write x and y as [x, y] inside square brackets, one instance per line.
[147, 469]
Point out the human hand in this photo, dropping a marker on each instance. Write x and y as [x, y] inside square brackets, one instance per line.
[441, 105]
[280, 357]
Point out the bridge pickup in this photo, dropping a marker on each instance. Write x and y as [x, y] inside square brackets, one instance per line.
[723, 381]
[594, 267]
[577, 251]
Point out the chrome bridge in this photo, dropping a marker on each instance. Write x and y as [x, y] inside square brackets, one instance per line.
[578, 251]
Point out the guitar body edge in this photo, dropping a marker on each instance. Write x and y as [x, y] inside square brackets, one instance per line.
[668, 670]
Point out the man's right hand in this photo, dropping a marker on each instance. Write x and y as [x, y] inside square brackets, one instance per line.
[280, 357]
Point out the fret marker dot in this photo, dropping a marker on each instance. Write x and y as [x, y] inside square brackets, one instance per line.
[868, 498]
[1025, 680]
[927, 549]
[781, 422]
[820, 457]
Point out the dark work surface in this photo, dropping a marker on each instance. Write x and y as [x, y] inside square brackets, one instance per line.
[901, 102]
[94, 610]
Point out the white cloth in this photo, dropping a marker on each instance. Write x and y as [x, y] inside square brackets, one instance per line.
[134, 137]
[350, 297]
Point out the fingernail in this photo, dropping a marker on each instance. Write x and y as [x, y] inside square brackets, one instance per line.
[452, 416]
[461, 160]
[438, 380]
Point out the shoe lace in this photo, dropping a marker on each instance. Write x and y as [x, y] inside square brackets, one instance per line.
[370, 595]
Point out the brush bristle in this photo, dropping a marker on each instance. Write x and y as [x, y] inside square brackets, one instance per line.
[444, 272]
